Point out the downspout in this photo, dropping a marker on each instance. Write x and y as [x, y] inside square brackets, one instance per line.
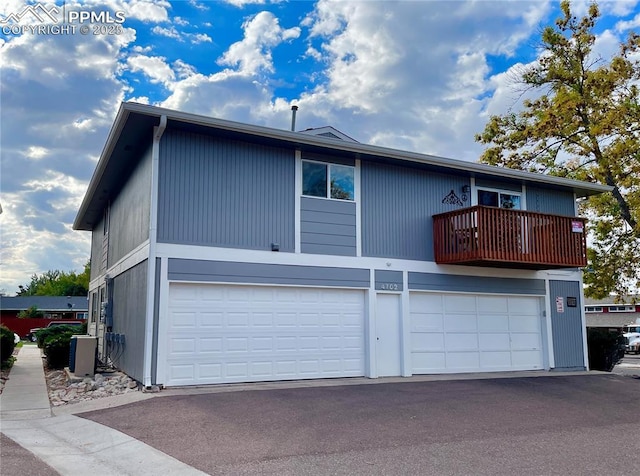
[158, 131]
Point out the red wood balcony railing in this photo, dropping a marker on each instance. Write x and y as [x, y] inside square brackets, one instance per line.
[499, 237]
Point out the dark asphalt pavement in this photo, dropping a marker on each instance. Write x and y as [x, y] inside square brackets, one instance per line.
[15, 460]
[542, 425]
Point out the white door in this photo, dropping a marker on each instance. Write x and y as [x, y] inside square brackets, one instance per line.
[388, 336]
[226, 333]
[474, 333]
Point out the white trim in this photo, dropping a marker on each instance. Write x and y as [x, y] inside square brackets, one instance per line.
[163, 318]
[356, 196]
[298, 195]
[153, 238]
[583, 317]
[547, 312]
[405, 329]
[523, 198]
[501, 191]
[371, 367]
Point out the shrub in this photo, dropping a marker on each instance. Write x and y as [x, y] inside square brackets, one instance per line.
[56, 343]
[43, 334]
[56, 349]
[604, 349]
[7, 343]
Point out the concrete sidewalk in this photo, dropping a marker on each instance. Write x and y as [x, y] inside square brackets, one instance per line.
[69, 444]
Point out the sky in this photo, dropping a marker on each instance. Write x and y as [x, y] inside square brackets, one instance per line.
[421, 76]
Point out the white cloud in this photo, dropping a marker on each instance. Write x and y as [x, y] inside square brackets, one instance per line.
[198, 6]
[168, 32]
[154, 67]
[201, 38]
[152, 11]
[261, 34]
[36, 152]
[242, 3]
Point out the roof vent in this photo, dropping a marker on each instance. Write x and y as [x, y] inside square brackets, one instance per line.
[294, 109]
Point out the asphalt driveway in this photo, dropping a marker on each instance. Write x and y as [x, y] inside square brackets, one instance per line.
[543, 425]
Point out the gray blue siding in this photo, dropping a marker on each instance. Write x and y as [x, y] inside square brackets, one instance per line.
[397, 206]
[567, 326]
[388, 280]
[97, 267]
[129, 317]
[130, 212]
[219, 192]
[554, 202]
[327, 226]
[256, 273]
[156, 321]
[475, 284]
[484, 183]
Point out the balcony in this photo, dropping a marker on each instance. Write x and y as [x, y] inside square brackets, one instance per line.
[506, 238]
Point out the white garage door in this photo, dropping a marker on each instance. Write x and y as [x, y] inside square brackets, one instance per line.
[474, 333]
[221, 333]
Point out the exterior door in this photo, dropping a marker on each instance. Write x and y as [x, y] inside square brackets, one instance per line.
[388, 335]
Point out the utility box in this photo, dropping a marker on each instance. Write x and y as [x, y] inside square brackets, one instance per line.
[82, 355]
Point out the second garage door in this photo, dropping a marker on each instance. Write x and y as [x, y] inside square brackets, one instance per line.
[224, 333]
[474, 333]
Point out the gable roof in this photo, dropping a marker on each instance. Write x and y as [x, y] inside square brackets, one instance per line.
[45, 303]
[328, 131]
[133, 126]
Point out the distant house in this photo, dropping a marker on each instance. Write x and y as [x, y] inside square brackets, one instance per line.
[610, 313]
[52, 307]
[225, 252]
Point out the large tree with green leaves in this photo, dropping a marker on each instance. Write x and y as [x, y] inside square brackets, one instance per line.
[583, 124]
[58, 283]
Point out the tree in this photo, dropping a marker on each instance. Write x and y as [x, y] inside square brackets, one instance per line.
[58, 283]
[584, 124]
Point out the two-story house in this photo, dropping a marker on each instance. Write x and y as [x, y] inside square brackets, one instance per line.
[227, 252]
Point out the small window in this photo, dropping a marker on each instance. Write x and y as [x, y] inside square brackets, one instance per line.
[328, 180]
[593, 309]
[491, 198]
[621, 308]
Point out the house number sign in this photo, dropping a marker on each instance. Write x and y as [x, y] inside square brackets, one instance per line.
[389, 287]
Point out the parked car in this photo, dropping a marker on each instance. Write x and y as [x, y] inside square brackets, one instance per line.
[32, 332]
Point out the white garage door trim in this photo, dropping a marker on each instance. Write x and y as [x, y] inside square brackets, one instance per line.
[236, 333]
[458, 332]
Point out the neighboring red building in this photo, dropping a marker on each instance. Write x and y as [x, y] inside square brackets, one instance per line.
[53, 308]
[609, 313]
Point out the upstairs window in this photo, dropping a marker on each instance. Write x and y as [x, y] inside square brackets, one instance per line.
[622, 308]
[495, 198]
[593, 309]
[324, 180]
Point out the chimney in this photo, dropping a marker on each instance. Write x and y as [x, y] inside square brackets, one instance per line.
[294, 109]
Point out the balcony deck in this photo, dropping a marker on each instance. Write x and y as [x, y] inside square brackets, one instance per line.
[499, 237]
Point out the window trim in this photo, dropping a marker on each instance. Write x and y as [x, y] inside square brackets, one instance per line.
[594, 309]
[328, 188]
[499, 191]
[625, 308]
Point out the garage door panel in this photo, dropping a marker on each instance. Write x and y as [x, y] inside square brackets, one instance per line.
[492, 304]
[493, 323]
[460, 323]
[278, 333]
[495, 342]
[426, 322]
[428, 362]
[460, 341]
[474, 333]
[463, 361]
[496, 360]
[427, 342]
[520, 323]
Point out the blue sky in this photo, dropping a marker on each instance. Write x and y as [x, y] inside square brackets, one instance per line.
[415, 75]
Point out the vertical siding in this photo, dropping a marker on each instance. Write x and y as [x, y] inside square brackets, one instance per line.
[327, 226]
[218, 192]
[397, 208]
[554, 202]
[97, 266]
[130, 211]
[567, 326]
[129, 316]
